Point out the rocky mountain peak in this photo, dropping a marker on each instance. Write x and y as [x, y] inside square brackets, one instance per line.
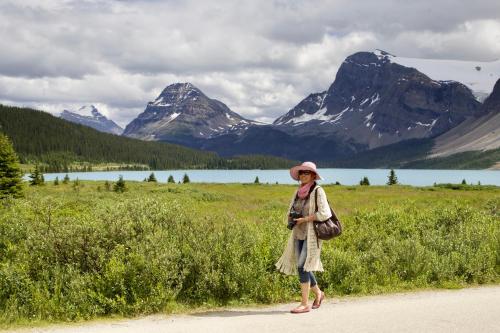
[183, 111]
[90, 116]
[375, 102]
[177, 93]
[492, 102]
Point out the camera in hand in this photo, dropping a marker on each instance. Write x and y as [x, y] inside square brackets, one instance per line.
[291, 221]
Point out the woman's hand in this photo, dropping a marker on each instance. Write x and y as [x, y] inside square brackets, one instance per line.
[301, 220]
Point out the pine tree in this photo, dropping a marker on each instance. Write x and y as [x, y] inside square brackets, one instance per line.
[464, 182]
[256, 181]
[10, 172]
[36, 177]
[152, 177]
[185, 179]
[120, 186]
[171, 179]
[56, 181]
[364, 181]
[66, 179]
[392, 179]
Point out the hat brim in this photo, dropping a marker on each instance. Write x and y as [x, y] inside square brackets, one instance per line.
[294, 172]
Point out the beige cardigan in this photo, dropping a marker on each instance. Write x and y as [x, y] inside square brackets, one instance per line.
[287, 264]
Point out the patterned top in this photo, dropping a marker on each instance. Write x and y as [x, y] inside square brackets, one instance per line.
[302, 206]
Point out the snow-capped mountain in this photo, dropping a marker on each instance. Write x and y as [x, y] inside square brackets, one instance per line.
[88, 115]
[479, 76]
[183, 112]
[375, 102]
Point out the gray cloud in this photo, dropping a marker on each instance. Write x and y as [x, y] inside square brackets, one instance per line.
[259, 57]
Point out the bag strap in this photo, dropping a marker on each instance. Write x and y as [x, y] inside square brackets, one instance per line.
[329, 206]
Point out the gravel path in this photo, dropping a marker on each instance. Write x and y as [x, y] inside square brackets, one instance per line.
[465, 310]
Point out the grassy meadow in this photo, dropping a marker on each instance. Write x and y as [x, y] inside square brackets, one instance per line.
[79, 252]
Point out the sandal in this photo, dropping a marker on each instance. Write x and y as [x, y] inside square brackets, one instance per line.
[316, 303]
[301, 309]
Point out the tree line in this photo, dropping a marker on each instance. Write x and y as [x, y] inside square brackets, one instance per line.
[56, 144]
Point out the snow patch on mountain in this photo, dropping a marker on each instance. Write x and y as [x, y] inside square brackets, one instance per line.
[88, 115]
[479, 76]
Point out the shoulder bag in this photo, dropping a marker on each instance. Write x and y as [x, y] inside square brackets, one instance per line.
[328, 229]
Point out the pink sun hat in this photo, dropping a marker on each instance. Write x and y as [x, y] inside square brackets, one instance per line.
[310, 166]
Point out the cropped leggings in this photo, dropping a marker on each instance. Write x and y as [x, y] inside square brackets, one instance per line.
[301, 254]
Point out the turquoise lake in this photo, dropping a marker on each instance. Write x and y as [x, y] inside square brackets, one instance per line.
[344, 176]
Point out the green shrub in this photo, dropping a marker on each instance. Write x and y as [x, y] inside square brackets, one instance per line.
[83, 255]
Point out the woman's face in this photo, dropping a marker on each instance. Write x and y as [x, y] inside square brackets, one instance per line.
[306, 176]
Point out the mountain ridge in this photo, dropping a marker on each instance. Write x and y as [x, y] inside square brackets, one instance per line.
[183, 110]
[93, 119]
[375, 102]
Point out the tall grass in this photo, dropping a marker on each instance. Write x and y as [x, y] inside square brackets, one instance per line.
[70, 255]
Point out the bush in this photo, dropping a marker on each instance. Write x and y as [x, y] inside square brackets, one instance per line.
[120, 186]
[78, 257]
[152, 177]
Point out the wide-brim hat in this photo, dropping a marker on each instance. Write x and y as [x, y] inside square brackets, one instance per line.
[310, 166]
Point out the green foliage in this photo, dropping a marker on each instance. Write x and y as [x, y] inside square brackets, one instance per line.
[10, 172]
[72, 256]
[107, 186]
[396, 155]
[152, 177]
[465, 187]
[256, 181]
[392, 179]
[464, 182]
[76, 184]
[120, 186]
[185, 179]
[467, 160]
[259, 162]
[364, 181]
[170, 179]
[66, 179]
[56, 181]
[36, 177]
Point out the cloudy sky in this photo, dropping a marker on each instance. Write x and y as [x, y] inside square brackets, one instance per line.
[260, 57]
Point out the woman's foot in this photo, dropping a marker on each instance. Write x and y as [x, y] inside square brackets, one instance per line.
[301, 309]
[317, 301]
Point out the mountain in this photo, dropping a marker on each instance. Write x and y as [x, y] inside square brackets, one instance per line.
[476, 133]
[375, 107]
[268, 140]
[375, 102]
[182, 113]
[479, 76]
[39, 137]
[91, 117]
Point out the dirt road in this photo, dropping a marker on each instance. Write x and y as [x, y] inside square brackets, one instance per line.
[466, 310]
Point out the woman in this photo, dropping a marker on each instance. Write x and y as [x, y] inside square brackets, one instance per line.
[302, 252]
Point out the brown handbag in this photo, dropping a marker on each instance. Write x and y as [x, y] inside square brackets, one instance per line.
[328, 229]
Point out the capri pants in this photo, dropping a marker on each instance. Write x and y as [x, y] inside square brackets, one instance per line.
[301, 254]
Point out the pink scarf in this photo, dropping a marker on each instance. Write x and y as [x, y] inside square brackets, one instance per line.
[304, 190]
